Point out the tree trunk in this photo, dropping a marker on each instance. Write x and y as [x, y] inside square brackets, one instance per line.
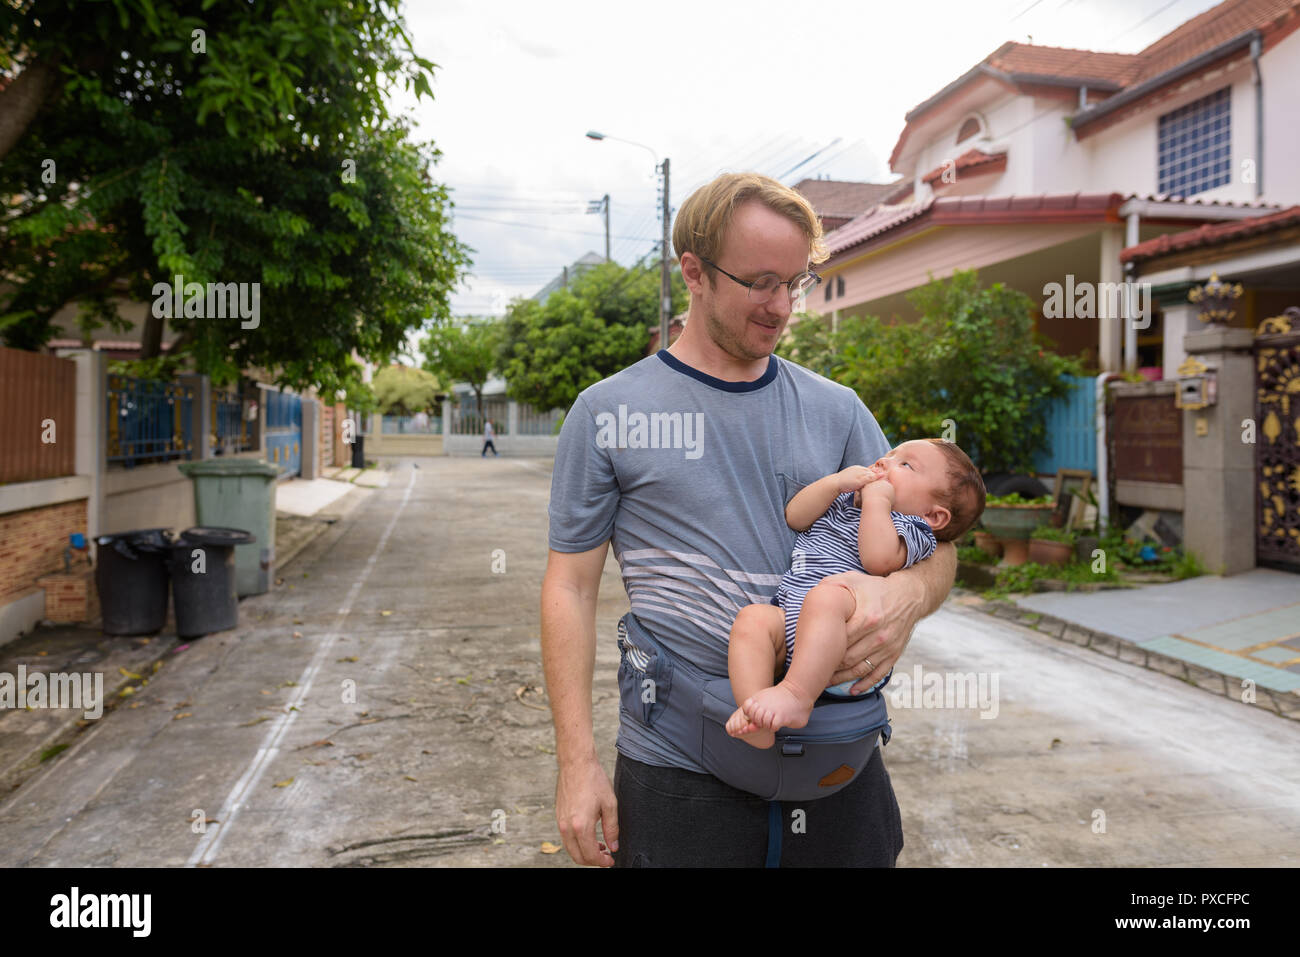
[22, 99]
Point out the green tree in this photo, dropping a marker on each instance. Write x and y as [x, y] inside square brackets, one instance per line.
[598, 325]
[403, 390]
[972, 357]
[258, 149]
[464, 352]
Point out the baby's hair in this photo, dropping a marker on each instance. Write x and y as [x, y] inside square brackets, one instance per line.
[964, 493]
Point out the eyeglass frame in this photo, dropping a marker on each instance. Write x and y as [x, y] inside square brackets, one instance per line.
[788, 283]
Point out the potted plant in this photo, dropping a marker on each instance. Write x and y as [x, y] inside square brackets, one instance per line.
[1011, 518]
[987, 542]
[1050, 546]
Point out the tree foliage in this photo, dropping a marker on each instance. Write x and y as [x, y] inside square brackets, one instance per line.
[973, 358]
[464, 352]
[403, 390]
[600, 324]
[259, 149]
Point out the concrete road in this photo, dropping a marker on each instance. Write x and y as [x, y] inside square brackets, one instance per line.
[383, 707]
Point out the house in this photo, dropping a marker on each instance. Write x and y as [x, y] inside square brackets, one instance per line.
[567, 275]
[1040, 164]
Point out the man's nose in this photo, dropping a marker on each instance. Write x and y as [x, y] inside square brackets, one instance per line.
[780, 304]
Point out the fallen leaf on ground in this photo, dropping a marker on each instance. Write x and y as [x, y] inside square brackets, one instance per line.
[279, 581]
[287, 684]
[360, 755]
[126, 691]
[282, 784]
[297, 621]
[264, 691]
[42, 653]
[409, 778]
[297, 634]
[129, 674]
[181, 704]
[183, 714]
[350, 658]
[385, 613]
[462, 681]
[549, 848]
[249, 724]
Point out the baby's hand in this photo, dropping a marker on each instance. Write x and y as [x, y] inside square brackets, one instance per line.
[853, 478]
[881, 489]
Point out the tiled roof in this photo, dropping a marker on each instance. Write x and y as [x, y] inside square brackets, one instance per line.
[839, 199]
[1215, 26]
[1211, 235]
[1028, 65]
[969, 161]
[1065, 63]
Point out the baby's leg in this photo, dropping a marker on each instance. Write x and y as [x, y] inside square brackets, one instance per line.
[757, 643]
[821, 637]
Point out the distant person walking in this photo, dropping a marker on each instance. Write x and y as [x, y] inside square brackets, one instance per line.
[487, 439]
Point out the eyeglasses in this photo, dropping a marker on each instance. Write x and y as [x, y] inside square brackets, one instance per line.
[764, 287]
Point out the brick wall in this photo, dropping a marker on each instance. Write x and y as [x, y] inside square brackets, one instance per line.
[32, 543]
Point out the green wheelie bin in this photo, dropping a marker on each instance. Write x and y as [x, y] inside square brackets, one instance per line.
[239, 493]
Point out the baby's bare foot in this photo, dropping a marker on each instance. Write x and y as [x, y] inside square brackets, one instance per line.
[739, 726]
[775, 708]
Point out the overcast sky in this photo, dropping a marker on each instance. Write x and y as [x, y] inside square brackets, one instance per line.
[713, 84]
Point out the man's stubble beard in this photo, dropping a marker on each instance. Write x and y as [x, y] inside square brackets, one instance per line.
[728, 341]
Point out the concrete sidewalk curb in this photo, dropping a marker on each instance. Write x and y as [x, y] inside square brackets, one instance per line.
[1282, 703]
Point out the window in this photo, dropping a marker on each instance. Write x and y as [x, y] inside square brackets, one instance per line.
[839, 286]
[968, 129]
[1194, 144]
[829, 287]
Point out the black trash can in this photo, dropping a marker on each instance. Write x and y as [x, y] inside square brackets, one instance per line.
[131, 578]
[359, 452]
[202, 564]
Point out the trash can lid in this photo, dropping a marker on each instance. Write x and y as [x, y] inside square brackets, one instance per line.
[229, 466]
[156, 537]
[211, 535]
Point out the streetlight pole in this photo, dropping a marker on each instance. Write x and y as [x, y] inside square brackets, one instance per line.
[665, 274]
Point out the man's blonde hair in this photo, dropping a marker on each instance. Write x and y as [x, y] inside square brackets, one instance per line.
[703, 219]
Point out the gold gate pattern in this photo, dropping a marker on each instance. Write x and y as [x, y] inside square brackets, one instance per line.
[1277, 443]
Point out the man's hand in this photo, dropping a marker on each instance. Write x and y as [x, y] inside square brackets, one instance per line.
[879, 630]
[583, 796]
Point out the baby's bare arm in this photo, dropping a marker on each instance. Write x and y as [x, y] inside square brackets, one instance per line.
[880, 547]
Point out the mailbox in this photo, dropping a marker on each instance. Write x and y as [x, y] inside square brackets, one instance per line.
[1197, 385]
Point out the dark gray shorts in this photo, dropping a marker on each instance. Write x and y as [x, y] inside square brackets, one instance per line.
[670, 817]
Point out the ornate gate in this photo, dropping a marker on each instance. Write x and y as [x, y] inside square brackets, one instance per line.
[1277, 442]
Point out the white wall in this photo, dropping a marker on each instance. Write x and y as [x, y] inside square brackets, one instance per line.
[1281, 71]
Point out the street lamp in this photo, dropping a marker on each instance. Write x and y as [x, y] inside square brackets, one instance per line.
[665, 287]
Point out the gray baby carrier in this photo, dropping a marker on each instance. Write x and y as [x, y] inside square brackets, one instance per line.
[690, 708]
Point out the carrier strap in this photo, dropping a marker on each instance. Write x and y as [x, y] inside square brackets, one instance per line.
[775, 825]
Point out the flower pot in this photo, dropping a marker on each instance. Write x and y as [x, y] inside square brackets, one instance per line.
[1043, 552]
[1014, 521]
[988, 542]
[1015, 551]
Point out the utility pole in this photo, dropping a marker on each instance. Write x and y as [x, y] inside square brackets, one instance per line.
[606, 201]
[665, 275]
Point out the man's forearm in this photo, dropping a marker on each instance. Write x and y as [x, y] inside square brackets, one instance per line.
[926, 584]
[568, 660]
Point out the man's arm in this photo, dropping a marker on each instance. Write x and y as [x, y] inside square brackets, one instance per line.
[888, 609]
[583, 792]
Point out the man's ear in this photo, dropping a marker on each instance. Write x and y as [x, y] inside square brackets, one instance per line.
[693, 273]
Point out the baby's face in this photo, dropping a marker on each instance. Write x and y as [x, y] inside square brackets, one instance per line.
[915, 469]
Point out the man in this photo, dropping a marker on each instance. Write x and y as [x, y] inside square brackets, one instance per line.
[488, 436]
[686, 460]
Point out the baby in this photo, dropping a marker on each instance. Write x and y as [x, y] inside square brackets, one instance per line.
[877, 520]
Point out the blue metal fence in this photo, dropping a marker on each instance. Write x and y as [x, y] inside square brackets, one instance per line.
[284, 431]
[148, 421]
[1071, 429]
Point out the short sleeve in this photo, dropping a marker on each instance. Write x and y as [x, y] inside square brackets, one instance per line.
[584, 488]
[866, 441]
[917, 535]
